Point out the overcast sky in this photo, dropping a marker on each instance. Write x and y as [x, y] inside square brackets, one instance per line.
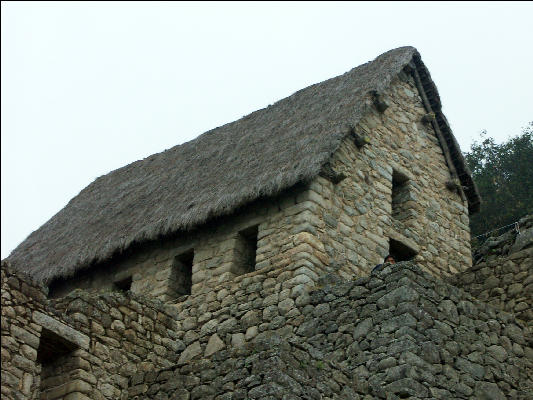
[90, 87]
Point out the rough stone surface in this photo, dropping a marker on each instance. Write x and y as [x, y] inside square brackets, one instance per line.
[192, 351]
[445, 344]
[502, 274]
[65, 331]
[114, 337]
[399, 333]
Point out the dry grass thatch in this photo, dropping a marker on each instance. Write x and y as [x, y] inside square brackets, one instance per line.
[259, 155]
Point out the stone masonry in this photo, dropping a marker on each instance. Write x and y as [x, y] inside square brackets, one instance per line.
[110, 336]
[502, 275]
[400, 333]
[355, 219]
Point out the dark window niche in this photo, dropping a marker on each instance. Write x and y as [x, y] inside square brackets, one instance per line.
[245, 251]
[123, 285]
[180, 283]
[52, 346]
[400, 196]
[400, 251]
[55, 354]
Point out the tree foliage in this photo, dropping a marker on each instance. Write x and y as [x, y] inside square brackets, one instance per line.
[503, 174]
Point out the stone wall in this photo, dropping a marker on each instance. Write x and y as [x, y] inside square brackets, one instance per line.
[96, 341]
[270, 369]
[396, 334]
[259, 334]
[502, 274]
[356, 216]
[282, 239]
[399, 332]
[20, 337]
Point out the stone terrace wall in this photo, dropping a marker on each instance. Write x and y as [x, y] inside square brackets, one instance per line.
[399, 333]
[233, 315]
[128, 334]
[502, 274]
[272, 368]
[120, 335]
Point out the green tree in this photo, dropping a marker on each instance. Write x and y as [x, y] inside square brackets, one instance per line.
[503, 174]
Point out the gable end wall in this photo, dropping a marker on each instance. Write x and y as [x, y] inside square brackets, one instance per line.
[355, 214]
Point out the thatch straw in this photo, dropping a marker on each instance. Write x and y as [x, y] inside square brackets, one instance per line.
[259, 155]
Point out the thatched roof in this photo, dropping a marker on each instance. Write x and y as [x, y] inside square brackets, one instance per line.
[259, 155]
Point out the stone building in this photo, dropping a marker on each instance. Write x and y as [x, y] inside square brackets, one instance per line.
[331, 179]
[237, 265]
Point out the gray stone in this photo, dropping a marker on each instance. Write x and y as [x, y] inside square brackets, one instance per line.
[515, 289]
[213, 345]
[285, 306]
[308, 328]
[251, 318]
[362, 328]
[192, 351]
[430, 353]
[227, 326]
[449, 309]
[251, 332]
[407, 387]
[237, 340]
[321, 310]
[525, 239]
[398, 295]
[23, 335]
[202, 392]
[475, 370]
[488, 391]
[497, 352]
[358, 291]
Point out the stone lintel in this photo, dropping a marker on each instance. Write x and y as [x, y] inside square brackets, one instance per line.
[393, 234]
[62, 330]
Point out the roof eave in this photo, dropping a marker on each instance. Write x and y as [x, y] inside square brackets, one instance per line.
[463, 172]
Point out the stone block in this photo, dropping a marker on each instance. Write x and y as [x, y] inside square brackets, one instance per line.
[215, 344]
[192, 351]
[488, 391]
[24, 336]
[398, 295]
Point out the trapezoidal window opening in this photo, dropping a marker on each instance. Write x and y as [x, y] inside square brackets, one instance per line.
[180, 281]
[245, 251]
[55, 354]
[401, 195]
[400, 251]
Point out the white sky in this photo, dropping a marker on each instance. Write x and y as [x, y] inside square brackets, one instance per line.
[90, 87]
